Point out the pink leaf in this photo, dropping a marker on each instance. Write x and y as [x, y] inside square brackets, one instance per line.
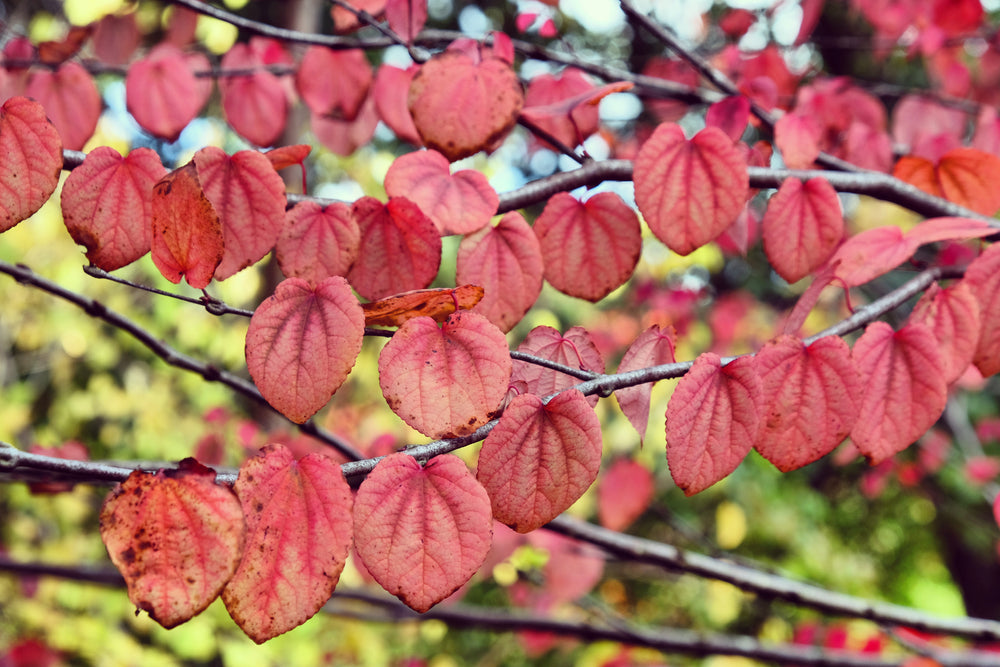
[255, 105]
[540, 458]
[810, 399]
[30, 160]
[459, 203]
[506, 261]
[983, 278]
[572, 569]
[802, 227]
[187, 233]
[563, 106]
[406, 17]
[867, 255]
[176, 537]
[624, 492]
[107, 205]
[653, 347]
[318, 241]
[422, 532]
[952, 314]
[445, 382]
[302, 343]
[288, 156]
[71, 101]
[400, 248]
[343, 137]
[338, 96]
[916, 120]
[299, 531]
[116, 38]
[689, 192]
[249, 197]
[576, 349]
[797, 137]
[589, 248]
[712, 421]
[730, 115]
[162, 92]
[461, 107]
[903, 389]
[390, 95]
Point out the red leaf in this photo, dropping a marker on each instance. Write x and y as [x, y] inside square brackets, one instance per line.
[338, 96]
[572, 569]
[730, 115]
[70, 99]
[563, 105]
[952, 314]
[903, 389]
[540, 458]
[712, 421]
[187, 233]
[589, 248]
[255, 105]
[422, 532]
[507, 261]
[390, 94]
[624, 492]
[302, 343]
[983, 278]
[689, 192]
[461, 107]
[810, 399]
[400, 248]
[445, 382]
[653, 347]
[249, 197]
[30, 160]
[107, 205]
[406, 17]
[802, 227]
[812, 10]
[176, 537]
[576, 349]
[436, 304]
[797, 137]
[299, 532]
[343, 137]
[116, 38]
[163, 94]
[459, 203]
[317, 242]
[288, 156]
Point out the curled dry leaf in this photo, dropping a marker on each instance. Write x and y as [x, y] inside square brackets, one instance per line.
[445, 382]
[317, 241]
[540, 458]
[299, 532]
[436, 304]
[30, 155]
[107, 205]
[302, 343]
[422, 532]
[176, 537]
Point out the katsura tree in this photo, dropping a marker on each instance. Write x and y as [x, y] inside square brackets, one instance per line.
[402, 216]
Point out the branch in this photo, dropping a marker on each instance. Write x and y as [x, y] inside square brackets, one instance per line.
[98, 310]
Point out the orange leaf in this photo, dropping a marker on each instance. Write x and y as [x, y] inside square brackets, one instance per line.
[540, 458]
[689, 192]
[802, 227]
[810, 399]
[461, 107]
[176, 537]
[187, 234]
[952, 314]
[302, 343]
[575, 349]
[436, 304]
[589, 248]
[317, 242]
[507, 261]
[983, 279]
[966, 176]
[107, 205]
[422, 532]
[447, 381]
[652, 348]
[299, 532]
[288, 156]
[30, 160]
[712, 421]
[903, 389]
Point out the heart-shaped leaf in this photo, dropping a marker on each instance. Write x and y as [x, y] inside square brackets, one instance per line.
[540, 458]
[176, 537]
[317, 241]
[255, 105]
[624, 491]
[802, 227]
[983, 279]
[422, 532]
[339, 96]
[302, 343]
[406, 17]
[71, 100]
[299, 532]
[571, 123]
[966, 176]
[30, 160]
[575, 349]
[445, 382]
[343, 137]
[162, 92]
[953, 315]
